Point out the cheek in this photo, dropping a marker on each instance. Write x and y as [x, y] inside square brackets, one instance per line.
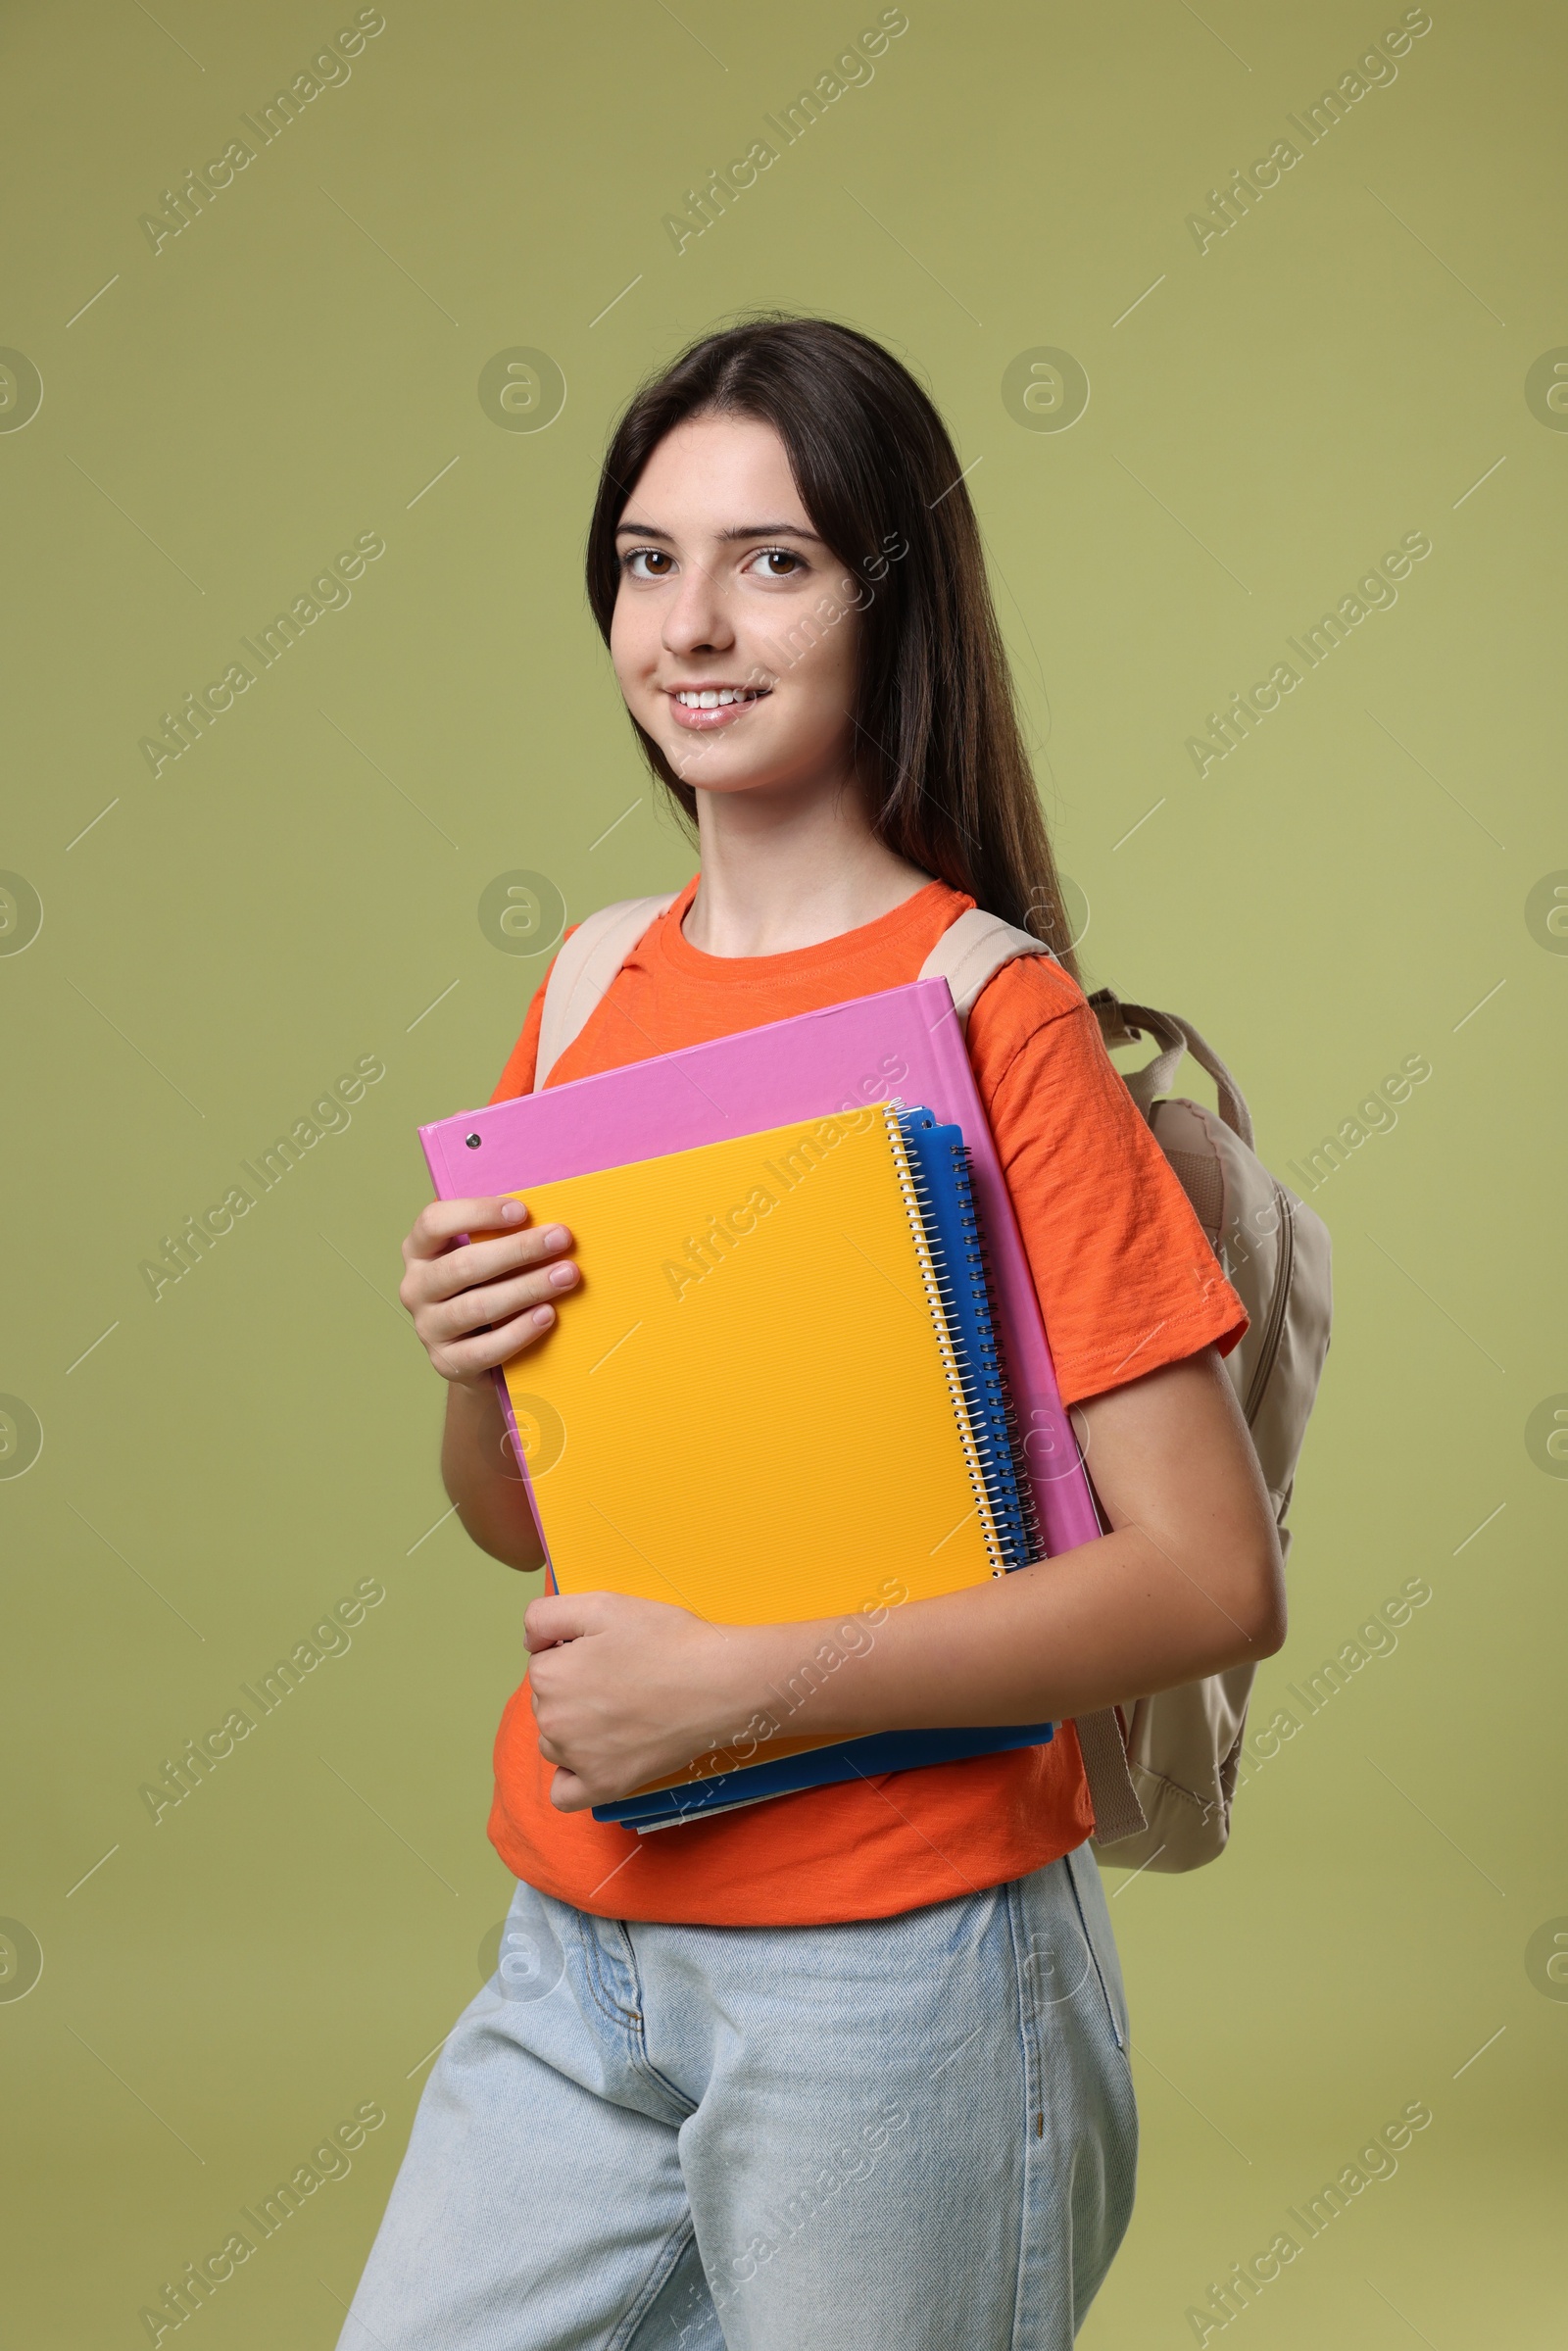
[633, 642]
[841, 659]
[816, 658]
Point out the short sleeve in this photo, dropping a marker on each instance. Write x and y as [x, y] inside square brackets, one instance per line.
[1126, 1280]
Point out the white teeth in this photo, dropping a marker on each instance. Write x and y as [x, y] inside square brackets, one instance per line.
[714, 698]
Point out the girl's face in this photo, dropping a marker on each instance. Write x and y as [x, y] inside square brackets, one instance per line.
[735, 635]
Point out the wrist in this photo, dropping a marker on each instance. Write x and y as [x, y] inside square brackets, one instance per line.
[792, 1682]
[739, 1692]
[474, 1419]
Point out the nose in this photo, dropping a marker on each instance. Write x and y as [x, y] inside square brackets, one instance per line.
[696, 619]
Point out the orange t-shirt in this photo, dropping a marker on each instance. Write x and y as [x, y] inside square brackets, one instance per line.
[1126, 1283]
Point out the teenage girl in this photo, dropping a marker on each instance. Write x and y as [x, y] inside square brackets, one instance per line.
[850, 2069]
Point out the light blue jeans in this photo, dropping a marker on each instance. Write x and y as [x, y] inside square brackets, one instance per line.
[914, 2132]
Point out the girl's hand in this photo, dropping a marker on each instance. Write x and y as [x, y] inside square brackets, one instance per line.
[627, 1691]
[480, 1303]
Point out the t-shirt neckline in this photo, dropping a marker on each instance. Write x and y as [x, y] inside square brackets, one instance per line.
[865, 939]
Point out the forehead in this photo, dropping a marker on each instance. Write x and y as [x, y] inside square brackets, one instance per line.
[712, 473]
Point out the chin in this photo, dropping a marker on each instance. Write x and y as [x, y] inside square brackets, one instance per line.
[712, 775]
[716, 764]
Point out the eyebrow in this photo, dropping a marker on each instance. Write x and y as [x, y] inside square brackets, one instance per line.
[747, 530]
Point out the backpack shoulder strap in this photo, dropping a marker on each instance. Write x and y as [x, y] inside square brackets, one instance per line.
[968, 956]
[1118, 1813]
[584, 970]
[972, 951]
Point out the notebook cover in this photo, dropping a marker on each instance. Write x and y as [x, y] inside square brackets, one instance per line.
[753, 1417]
[905, 1042]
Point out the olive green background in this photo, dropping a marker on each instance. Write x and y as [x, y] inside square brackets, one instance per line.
[302, 888]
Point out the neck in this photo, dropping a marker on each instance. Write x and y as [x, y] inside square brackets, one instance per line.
[780, 872]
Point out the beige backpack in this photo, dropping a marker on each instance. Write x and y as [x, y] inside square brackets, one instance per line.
[1161, 1769]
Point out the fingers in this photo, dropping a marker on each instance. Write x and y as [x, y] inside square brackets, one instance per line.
[486, 1257]
[567, 1793]
[440, 1221]
[558, 1616]
[472, 1359]
[477, 1303]
[491, 1304]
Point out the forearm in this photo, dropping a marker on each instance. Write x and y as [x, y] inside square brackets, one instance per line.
[1107, 1622]
[481, 1476]
[1189, 1581]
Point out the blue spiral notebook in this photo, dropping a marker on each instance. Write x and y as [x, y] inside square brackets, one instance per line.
[944, 1197]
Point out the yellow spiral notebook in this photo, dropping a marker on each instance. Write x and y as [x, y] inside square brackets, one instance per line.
[754, 1406]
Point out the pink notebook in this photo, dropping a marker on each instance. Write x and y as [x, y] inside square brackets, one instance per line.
[904, 1044]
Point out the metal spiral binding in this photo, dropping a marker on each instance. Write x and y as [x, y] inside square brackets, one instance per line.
[977, 1449]
[1031, 1534]
[991, 1400]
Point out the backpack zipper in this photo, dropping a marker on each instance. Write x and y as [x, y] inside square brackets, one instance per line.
[1274, 1327]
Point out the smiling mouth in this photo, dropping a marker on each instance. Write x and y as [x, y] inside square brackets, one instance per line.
[705, 710]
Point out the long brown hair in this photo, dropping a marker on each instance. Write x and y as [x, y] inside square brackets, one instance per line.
[936, 722]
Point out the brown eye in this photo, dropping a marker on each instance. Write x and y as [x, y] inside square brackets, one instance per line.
[640, 563]
[779, 563]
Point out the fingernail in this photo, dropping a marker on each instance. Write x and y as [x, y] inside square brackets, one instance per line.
[561, 1277]
[557, 1237]
[512, 1212]
[543, 1315]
